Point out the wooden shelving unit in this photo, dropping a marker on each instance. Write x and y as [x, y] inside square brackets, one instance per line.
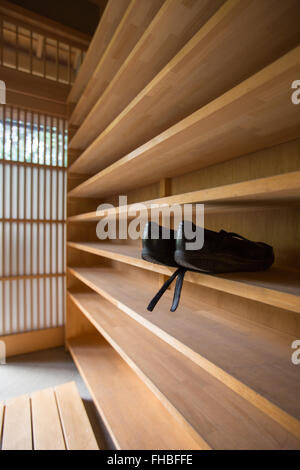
[122, 395]
[189, 334]
[172, 27]
[180, 116]
[151, 111]
[181, 399]
[191, 142]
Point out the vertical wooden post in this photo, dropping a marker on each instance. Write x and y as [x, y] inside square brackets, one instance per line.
[9, 246]
[3, 223]
[50, 222]
[25, 224]
[45, 57]
[17, 47]
[18, 215]
[31, 53]
[38, 223]
[57, 61]
[2, 42]
[57, 195]
[69, 63]
[31, 221]
[164, 190]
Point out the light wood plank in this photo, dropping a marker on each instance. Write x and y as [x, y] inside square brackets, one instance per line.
[176, 92]
[31, 341]
[175, 24]
[77, 429]
[17, 424]
[36, 87]
[36, 104]
[255, 114]
[135, 418]
[47, 431]
[272, 191]
[185, 385]
[1, 420]
[105, 30]
[134, 22]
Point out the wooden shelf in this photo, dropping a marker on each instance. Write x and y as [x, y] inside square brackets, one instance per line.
[258, 113]
[175, 92]
[134, 22]
[109, 21]
[277, 287]
[157, 361]
[173, 26]
[135, 418]
[206, 333]
[272, 191]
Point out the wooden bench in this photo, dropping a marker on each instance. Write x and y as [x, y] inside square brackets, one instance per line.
[50, 419]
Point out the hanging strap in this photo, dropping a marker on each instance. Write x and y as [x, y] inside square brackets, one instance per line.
[179, 273]
[178, 288]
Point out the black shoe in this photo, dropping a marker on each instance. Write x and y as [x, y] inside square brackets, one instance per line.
[161, 249]
[159, 244]
[222, 252]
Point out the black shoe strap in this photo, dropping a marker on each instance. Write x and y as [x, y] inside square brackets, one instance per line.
[180, 272]
[178, 288]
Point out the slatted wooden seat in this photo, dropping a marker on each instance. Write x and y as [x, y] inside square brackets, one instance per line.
[50, 419]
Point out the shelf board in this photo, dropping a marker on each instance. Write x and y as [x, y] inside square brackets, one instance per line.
[272, 191]
[157, 361]
[134, 22]
[277, 286]
[175, 92]
[110, 19]
[172, 27]
[134, 416]
[256, 114]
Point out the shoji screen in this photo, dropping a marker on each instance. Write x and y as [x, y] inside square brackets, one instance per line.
[29, 51]
[32, 228]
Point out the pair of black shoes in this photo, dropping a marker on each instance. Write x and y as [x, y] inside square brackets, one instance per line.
[222, 252]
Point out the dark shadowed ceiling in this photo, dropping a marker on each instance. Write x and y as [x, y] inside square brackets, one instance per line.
[82, 15]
